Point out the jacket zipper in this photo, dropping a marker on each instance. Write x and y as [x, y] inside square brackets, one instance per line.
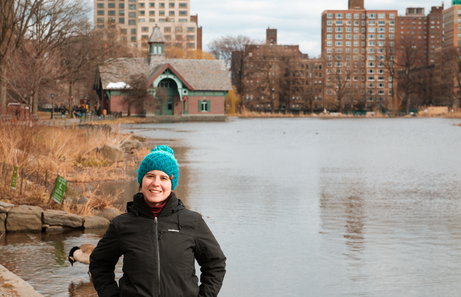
[158, 255]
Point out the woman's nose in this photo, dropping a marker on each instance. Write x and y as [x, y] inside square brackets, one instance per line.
[156, 181]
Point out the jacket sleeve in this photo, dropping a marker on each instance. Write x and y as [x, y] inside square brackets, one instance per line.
[102, 263]
[211, 259]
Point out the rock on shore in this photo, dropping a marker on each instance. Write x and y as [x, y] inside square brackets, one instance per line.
[27, 218]
[13, 285]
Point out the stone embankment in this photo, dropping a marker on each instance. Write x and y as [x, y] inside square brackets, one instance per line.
[12, 285]
[26, 218]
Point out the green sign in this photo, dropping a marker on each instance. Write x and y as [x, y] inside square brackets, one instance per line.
[59, 190]
[14, 180]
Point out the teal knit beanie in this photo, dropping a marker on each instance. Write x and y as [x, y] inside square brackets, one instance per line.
[160, 158]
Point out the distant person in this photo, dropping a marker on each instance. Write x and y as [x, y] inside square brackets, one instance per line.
[82, 112]
[63, 111]
[159, 239]
[104, 113]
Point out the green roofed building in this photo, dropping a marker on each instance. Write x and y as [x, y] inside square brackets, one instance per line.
[191, 89]
[456, 2]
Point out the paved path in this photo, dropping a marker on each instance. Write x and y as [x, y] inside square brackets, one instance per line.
[12, 285]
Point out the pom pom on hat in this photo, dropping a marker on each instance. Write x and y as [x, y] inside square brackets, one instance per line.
[160, 158]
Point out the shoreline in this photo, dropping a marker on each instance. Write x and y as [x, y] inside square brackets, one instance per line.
[12, 285]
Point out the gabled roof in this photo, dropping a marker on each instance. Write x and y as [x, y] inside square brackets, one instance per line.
[203, 75]
[160, 69]
[116, 71]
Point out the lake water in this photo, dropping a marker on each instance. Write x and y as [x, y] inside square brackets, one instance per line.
[302, 207]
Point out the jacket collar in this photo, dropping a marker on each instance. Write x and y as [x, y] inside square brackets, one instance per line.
[139, 207]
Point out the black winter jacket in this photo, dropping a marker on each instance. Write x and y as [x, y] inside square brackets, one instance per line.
[159, 254]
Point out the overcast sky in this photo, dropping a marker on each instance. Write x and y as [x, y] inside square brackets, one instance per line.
[297, 21]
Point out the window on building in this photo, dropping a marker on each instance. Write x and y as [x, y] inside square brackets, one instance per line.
[204, 105]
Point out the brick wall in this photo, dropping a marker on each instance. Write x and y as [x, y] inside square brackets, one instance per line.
[117, 105]
[217, 105]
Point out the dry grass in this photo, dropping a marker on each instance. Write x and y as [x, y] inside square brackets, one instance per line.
[54, 149]
[95, 202]
[71, 153]
[123, 120]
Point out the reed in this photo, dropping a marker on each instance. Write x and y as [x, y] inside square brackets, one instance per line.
[96, 201]
[47, 151]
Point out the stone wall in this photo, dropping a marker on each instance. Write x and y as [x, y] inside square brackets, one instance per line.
[26, 218]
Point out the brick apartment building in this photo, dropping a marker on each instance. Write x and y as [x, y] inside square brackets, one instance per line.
[358, 45]
[424, 33]
[280, 78]
[137, 18]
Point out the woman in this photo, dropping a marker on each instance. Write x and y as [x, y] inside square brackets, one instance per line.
[160, 240]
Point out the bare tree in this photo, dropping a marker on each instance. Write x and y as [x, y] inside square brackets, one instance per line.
[16, 18]
[409, 58]
[232, 50]
[450, 83]
[399, 62]
[137, 93]
[84, 52]
[339, 81]
[309, 93]
[54, 22]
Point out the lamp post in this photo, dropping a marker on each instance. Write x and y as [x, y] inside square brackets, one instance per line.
[52, 105]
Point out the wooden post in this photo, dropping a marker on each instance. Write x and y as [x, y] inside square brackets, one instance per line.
[46, 178]
[51, 195]
[22, 180]
[3, 170]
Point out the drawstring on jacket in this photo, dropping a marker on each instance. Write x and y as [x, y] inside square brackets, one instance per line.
[179, 225]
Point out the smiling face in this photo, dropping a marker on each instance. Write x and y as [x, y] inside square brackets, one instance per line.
[156, 187]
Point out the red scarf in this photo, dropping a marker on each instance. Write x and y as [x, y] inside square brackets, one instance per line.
[157, 209]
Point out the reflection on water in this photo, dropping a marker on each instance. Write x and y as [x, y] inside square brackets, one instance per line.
[41, 260]
[301, 207]
[81, 288]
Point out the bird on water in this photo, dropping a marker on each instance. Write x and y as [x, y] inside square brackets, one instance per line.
[81, 254]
